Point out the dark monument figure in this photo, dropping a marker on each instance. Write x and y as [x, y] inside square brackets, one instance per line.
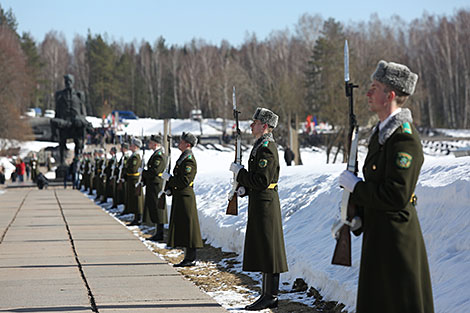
[69, 122]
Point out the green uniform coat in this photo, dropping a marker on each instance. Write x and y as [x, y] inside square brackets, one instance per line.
[135, 203]
[109, 178]
[100, 177]
[153, 182]
[394, 273]
[184, 228]
[34, 164]
[264, 240]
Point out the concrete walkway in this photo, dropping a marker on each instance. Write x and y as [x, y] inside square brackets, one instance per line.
[59, 252]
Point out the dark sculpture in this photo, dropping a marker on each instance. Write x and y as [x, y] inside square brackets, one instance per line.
[70, 118]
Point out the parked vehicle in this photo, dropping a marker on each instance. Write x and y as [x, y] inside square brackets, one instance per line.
[124, 115]
[30, 112]
[49, 113]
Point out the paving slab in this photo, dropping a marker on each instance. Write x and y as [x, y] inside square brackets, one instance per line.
[60, 252]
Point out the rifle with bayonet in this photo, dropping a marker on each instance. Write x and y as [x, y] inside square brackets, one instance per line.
[348, 219]
[120, 181]
[162, 195]
[232, 208]
[140, 183]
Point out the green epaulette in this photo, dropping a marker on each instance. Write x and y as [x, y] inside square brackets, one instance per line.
[190, 156]
[406, 128]
[265, 144]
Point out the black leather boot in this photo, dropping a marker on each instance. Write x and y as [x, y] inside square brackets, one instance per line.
[269, 298]
[158, 236]
[189, 258]
[136, 221]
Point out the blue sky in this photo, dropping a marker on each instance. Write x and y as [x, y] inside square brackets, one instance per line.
[180, 21]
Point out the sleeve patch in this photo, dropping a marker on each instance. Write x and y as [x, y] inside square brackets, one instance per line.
[134, 162]
[403, 160]
[188, 169]
[263, 163]
[406, 128]
[158, 162]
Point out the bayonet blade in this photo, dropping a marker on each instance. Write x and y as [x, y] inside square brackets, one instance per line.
[234, 99]
[346, 61]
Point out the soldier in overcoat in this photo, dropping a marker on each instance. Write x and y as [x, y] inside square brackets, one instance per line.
[34, 164]
[109, 176]
[264, 240]
[152, 177]
[135, 202]
[184, 230]
[394, 272]
[99, 173]
[120, 188]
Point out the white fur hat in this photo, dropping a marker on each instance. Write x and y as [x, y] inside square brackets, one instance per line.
[397, 76]
[266, 116]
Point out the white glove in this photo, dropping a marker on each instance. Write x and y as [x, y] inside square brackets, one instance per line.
[139, 170]
[166, 176]
[235, 168]
[161, 193]
[348, 180]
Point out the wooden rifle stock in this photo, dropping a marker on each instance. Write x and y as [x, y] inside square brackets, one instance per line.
[232, 207]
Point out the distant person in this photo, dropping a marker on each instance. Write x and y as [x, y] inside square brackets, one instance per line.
[153, 182]
[34, 164]
[394, 272]
[184, 230]
[20, 169]
[264, 240]
[28, 170]
[41, 181]
[2, 175]
[288, 155]
[135, 202]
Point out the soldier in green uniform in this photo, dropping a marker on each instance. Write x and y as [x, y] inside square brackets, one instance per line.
[394, 272]
[120, 188]
[264, 240]
[92, 168]
[108, 179]
[153, 182]
[135, 202]
[86, 171]
[99, 173]
[34, 164]
[184, 228]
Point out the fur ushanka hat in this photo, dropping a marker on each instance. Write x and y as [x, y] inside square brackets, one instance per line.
[189, 138]
[266, 116]
[396, 76]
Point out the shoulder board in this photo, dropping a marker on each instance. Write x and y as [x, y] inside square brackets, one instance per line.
[406, 128]
[266, 143]
[190, 157]
[159, 153]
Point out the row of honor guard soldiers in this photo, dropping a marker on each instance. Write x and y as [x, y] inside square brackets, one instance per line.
[123, 179]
